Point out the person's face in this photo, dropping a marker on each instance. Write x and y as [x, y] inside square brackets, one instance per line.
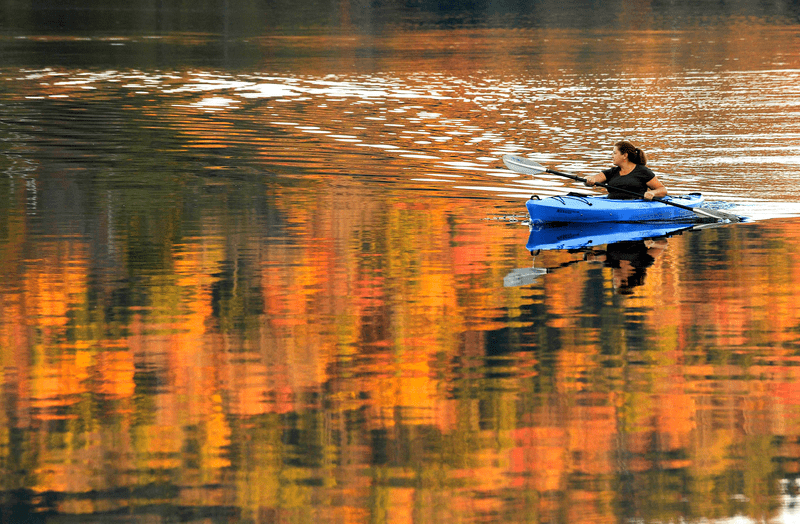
[617, 157]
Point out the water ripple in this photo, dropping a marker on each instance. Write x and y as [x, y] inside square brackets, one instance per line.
[702, 130]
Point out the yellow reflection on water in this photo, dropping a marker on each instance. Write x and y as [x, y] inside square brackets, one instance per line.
[384, 371]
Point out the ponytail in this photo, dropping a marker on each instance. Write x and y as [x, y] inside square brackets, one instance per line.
[635, 154]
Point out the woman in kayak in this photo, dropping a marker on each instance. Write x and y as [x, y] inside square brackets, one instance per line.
[629, 173]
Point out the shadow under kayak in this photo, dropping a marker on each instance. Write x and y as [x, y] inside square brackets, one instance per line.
[578, 208]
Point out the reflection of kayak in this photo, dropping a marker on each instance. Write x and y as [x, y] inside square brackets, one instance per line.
[590, 209]
[577, 235]
[624, 241]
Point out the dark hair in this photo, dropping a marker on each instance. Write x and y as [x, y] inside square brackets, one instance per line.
[635, 154]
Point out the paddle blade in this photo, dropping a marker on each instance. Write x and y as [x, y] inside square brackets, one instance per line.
[715, 214]
[523, 165]
[523, 276]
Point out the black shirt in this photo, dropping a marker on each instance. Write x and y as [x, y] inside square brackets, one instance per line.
[635, 181]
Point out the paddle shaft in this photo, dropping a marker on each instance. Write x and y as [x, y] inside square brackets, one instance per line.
[623, 190]
[524, 165]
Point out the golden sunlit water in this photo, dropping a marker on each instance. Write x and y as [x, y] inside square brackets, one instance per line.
[284, 275]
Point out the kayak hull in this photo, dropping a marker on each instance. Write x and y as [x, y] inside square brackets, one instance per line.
[576, 208]
[585, 235]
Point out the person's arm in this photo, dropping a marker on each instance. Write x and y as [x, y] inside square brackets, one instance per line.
[657, 189]
[595, 179]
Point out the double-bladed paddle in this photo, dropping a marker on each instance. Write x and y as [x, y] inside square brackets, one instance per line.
[529, 167]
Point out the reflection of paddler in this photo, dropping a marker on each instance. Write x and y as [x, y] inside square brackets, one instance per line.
[629, 262]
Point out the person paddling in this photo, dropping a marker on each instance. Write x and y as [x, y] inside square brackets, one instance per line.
[629, 173]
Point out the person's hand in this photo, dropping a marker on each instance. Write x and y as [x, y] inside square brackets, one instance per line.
[589, 181]
[649, 195]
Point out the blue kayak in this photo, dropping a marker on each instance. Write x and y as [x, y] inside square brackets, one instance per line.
[582, 235]
[592, 209]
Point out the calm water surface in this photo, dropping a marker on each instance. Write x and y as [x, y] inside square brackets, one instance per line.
[283, 277]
